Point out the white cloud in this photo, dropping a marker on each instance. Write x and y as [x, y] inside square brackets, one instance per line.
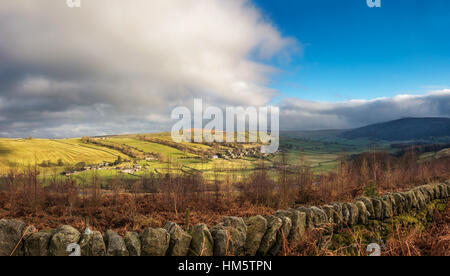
[300, 114]
[129, 59]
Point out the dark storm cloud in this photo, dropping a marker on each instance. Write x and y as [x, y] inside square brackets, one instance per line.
[298, 114]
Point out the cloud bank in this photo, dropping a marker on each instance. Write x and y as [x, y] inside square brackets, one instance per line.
[306, 115]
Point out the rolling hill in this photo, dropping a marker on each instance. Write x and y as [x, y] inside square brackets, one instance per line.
[24, 152]
[407, 129]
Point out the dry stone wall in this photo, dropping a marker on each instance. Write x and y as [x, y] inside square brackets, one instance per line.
[258, 235]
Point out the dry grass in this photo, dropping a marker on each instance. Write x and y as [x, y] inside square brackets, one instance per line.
[153, 201]
[403, 241]
[24, 152]
[434, 241]
[124, 213]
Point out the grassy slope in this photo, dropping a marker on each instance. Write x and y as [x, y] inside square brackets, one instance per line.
[321, 155]
[166, 151]
[180, 158]
[167, 136]
[21, 152]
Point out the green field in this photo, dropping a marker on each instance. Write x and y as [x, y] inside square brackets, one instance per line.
[322, 155]
[166, 151]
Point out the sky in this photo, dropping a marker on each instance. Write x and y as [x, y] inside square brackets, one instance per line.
[113, 66]
[355, 52]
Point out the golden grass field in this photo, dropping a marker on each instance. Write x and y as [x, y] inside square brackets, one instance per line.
[23, 152]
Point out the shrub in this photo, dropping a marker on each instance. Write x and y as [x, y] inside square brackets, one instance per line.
[370, 190]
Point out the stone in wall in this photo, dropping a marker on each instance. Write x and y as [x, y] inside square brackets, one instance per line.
[309, 216]
[387, 208]
[11, 230]
[329, 211]
[414, 201]
[338, 215]
[222, 240]
[363, 214]
[444, 190]
[417, 200]
[420, 198]
[301, 224]
[92, 244]
[282, 237]
[256, 228]
[37, 244]
[155, 242]
[320, 217]
[398, 203]
[424, 194]
[447, 184]
[442, 193]
[229, 237]
[408, 202]
[437, 192]
[61, 239]
[335, 222]
[238, 231]
[202, 243]
[429, 192]
[353, 213]
[133, 243]
[298, 220]
[369, 206]
[270, 237]
[179, 240]
[377, 208]
[115, 245]
[345, 214]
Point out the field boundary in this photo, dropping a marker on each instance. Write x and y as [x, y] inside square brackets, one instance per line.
[258, 235]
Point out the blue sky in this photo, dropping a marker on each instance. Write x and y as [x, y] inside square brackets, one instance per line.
[355, 52]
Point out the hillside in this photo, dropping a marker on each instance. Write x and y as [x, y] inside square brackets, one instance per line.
[157, 153]
[24, 152]
[139, 153]
[403, 130]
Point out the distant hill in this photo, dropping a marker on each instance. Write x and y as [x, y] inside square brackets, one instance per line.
[403, 130]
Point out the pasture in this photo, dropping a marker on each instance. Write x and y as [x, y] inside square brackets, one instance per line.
[20, 153]
[56, 155]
